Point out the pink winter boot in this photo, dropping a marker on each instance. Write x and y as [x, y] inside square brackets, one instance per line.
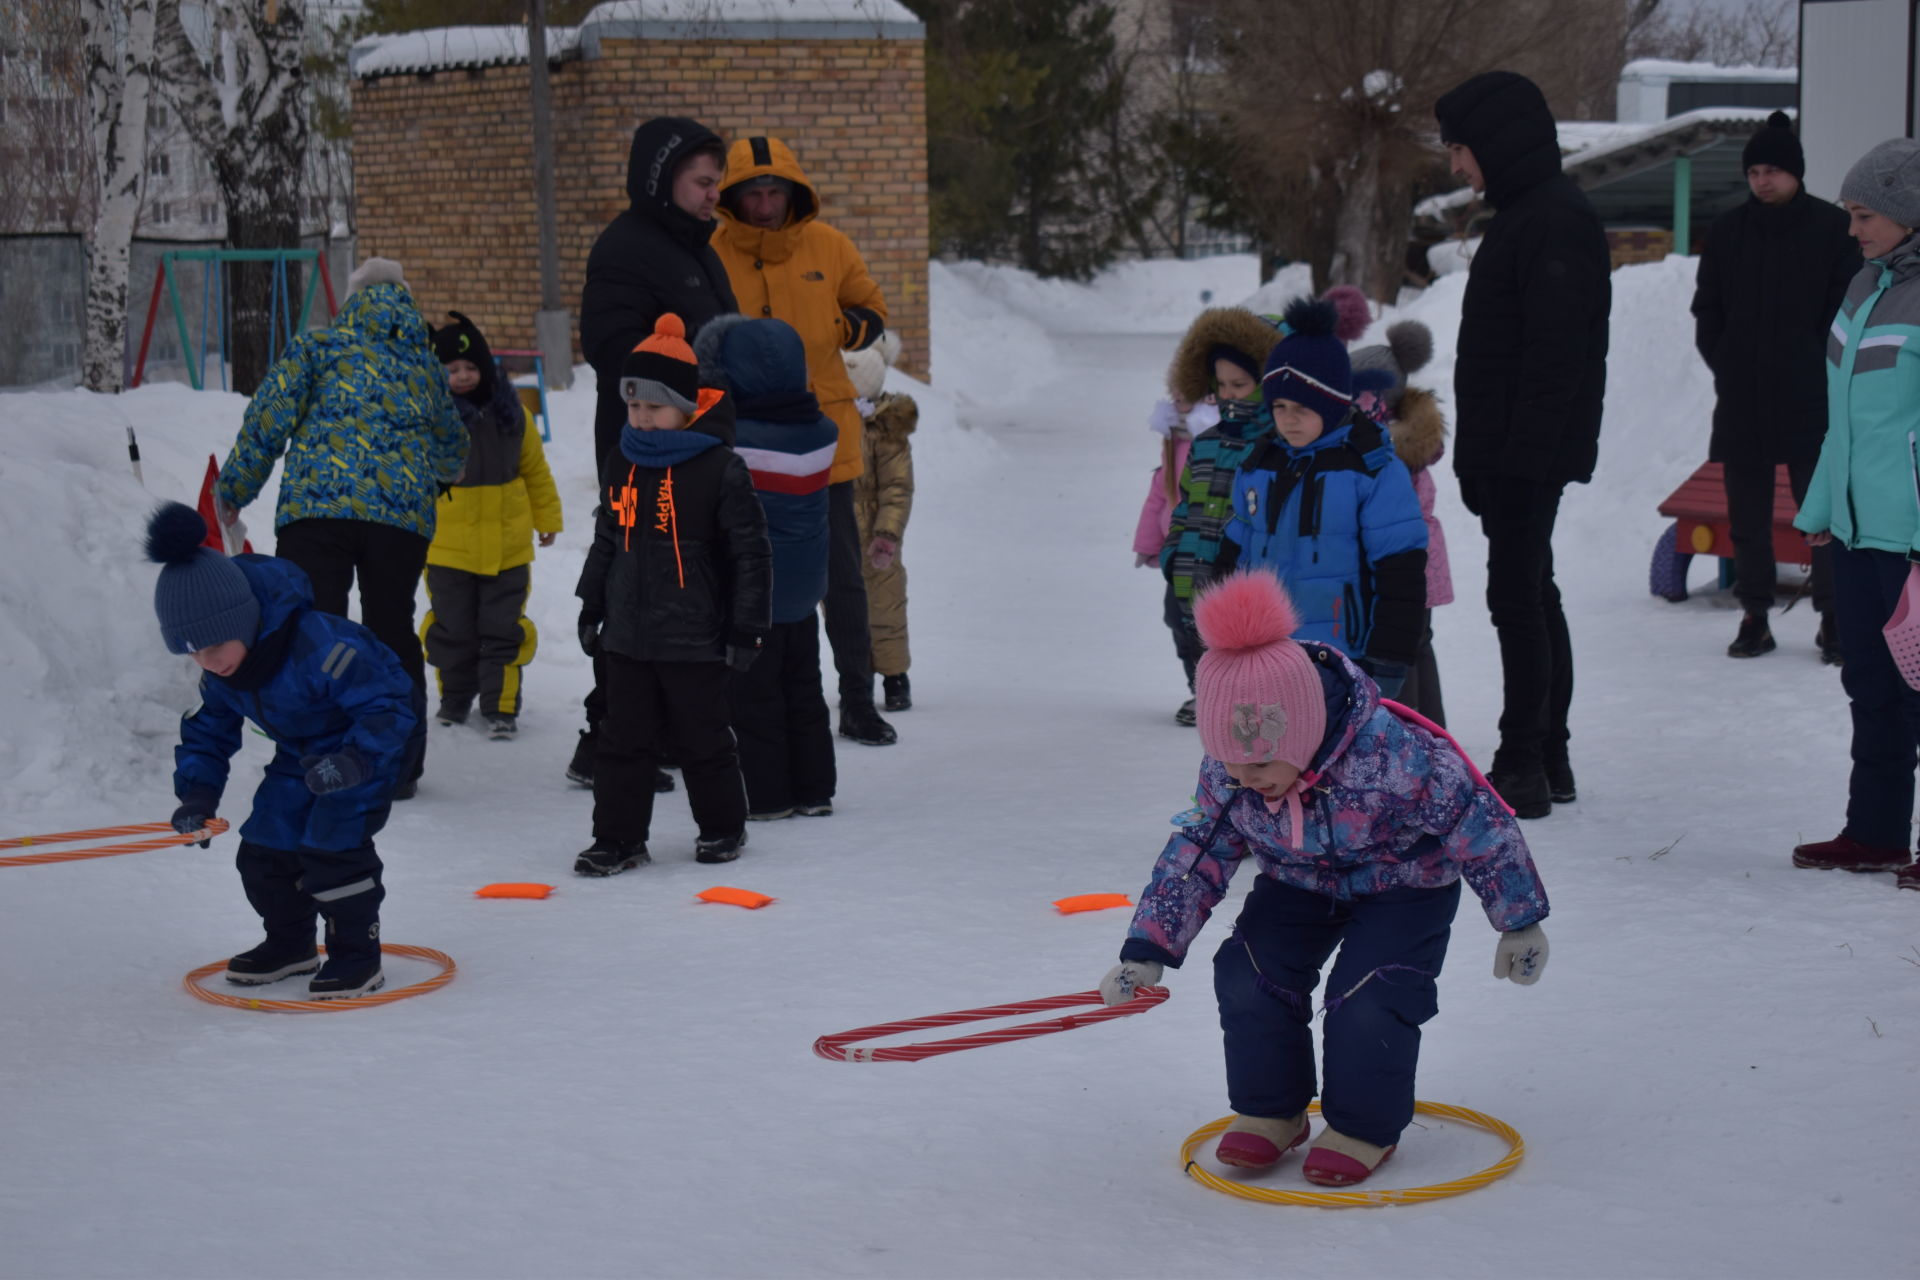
[1258, 1142]
[1339, 1161]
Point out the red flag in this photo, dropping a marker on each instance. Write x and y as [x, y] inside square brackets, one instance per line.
[207, 511]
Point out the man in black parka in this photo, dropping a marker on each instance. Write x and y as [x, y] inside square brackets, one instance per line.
[1529, 380]
[1772, 275]
[652, 259]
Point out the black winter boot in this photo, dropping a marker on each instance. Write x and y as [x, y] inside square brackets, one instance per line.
[1755, 637]
[718, 848]
[580, 768]
[859, 721]
[898, 690]
[1827, 639]
[272, 961]
[353, 949]
[1525, 789]
[1560, 786]
[611, 857]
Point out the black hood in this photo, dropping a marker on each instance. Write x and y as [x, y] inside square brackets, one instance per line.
[659, 147]
[1502, 117]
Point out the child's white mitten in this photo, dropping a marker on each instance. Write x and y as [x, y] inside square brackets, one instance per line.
[1118, 986]
[1521, 955]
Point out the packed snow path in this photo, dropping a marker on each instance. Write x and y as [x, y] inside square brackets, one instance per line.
[1715, 1078]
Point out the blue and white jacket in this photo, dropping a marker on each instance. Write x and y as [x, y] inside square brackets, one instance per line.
[1340, 524]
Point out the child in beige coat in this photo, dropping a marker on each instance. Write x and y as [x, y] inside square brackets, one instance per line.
[883, 498]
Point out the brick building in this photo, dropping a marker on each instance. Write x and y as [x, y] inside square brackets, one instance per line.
[442, 139]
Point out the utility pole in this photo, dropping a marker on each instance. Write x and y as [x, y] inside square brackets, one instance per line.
[552, 328]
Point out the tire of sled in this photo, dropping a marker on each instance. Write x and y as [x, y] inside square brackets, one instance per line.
[1667, 575]
[1516, 1151]
[839, 1047]
[385, 996]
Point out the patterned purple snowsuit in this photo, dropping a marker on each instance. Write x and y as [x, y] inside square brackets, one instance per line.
[1394, 817]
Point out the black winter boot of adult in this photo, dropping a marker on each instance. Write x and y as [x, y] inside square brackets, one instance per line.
[1827, 639]
[580, 768]
[1524, 788]
[1754, 639]
[1560, 786]
[859, 721]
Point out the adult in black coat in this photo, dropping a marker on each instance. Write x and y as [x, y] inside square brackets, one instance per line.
[1772, 275]
[1529, 381]
[652, 259]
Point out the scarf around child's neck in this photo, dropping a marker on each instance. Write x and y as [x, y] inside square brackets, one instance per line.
[663, 448]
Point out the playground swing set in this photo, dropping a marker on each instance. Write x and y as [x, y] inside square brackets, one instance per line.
[284, 322]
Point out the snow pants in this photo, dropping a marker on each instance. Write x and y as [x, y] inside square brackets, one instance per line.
[1382, 988]
[1536, 652]
[288, 888]
[478, 637]
[1750, 490]
[653, 707]
[846, 603]
[887, 615]
[1186, 641]
[1886, 713]
[1422, 689]
[780, 717]
[387, 562]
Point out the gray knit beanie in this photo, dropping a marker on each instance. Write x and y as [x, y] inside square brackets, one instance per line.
[202, 598]
[1887, 181]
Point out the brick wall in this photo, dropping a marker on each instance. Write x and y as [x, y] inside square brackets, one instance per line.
[443, 163]
[1648, 245]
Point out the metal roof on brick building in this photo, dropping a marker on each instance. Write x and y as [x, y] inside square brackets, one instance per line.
[462, 48]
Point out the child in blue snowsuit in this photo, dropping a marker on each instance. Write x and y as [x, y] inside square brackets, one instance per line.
[1362, 819]
[1326, 506]
[779, 711]
[338, 705]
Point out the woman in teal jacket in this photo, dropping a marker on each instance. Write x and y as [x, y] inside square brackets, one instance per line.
[1865, 502]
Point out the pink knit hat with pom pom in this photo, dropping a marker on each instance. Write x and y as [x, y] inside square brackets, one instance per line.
[1256, 695]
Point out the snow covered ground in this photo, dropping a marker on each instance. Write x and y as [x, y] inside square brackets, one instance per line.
[1717, 1076]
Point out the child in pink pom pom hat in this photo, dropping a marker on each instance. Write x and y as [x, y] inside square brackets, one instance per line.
[1363, 819]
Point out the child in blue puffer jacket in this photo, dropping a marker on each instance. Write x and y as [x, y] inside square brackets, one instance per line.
[1363, 819]
[1326, 505]
[337, 704]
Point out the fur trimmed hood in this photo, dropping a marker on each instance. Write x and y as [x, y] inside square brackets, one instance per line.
[1190, 376]
[1419, 429]
[894, 417]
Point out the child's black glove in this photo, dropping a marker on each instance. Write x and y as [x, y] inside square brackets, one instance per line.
[742, 648]
[334, 772]
[191, 817]
[590, 620]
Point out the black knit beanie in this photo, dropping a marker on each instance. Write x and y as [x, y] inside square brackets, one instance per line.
[1774, 143]
[462, 340]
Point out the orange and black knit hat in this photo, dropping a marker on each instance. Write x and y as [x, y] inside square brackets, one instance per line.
[662, 368]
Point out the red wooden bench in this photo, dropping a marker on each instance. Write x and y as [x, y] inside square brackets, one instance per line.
[1700, 528]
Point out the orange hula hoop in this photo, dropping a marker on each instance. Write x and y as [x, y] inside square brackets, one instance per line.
[172, 838]
[259, 1005]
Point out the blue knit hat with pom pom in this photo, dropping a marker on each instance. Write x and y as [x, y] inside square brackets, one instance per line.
[202, 598]
[1309, 366]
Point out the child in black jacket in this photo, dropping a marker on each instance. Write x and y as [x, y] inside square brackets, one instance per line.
[676, 591]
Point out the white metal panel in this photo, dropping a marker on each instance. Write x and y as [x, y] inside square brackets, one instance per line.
[1853, 83]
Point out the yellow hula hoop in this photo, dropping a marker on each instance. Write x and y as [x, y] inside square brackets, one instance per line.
[1516, 1151]
[259, 1005]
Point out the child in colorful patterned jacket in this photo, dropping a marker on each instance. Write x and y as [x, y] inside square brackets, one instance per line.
[1176, 421]
[1363, 819]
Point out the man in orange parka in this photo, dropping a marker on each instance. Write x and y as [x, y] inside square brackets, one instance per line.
[784, 263]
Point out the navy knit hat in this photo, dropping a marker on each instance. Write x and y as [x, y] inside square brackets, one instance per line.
[202, 598]
[1774, 143]
[1310, 365]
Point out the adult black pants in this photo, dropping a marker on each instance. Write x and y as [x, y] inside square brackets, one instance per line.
[387, 562]
[1750, 492]
[1536, 653]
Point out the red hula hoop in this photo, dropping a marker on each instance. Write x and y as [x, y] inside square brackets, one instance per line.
[839, 1046]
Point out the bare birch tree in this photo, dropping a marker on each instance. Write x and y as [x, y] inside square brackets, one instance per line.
[117, 45]
[241, 93]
